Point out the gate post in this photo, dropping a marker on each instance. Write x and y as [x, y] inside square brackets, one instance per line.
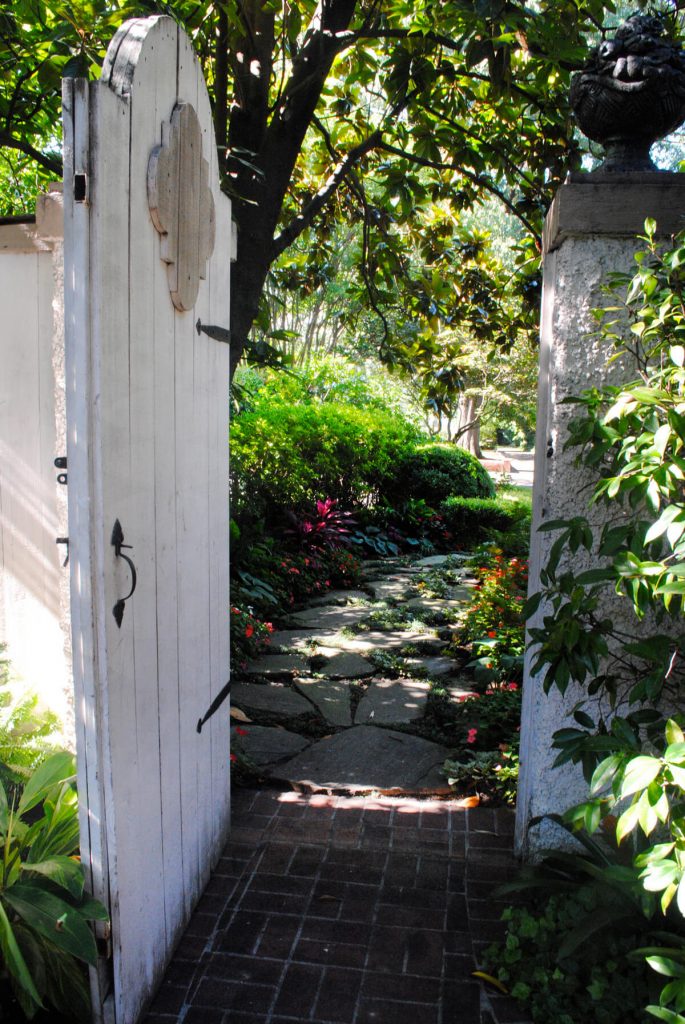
[590, 232]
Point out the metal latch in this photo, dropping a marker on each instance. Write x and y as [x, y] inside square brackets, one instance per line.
[61, 463]
[118, 544]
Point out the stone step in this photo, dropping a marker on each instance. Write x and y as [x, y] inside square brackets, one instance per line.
[366, 759]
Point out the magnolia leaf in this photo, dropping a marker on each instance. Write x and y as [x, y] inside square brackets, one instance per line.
[239, 715]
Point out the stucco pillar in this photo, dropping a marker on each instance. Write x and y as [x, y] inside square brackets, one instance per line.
[591, 231]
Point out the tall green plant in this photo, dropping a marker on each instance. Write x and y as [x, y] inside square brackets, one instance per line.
[45, 937]
[632, 747]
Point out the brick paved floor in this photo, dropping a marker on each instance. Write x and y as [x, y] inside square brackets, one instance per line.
[344, 910]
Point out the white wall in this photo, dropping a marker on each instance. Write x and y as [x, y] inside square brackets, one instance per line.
[33, 584]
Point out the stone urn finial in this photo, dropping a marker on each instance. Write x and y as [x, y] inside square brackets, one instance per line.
[631, 93]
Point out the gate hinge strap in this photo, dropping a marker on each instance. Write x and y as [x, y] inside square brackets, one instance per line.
[215, 705]
[212, 331]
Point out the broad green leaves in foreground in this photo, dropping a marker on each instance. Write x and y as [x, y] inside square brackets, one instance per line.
[45, 936]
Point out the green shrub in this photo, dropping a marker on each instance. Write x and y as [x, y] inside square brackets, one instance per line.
[26, 732]
[435, 472]
[287, 457]
[471, 521]
[45, 937]
[596, 982]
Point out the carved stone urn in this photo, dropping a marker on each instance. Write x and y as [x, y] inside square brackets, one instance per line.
[631, 93]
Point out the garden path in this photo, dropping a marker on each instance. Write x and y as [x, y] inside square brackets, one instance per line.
[348, 894]
[343, 701]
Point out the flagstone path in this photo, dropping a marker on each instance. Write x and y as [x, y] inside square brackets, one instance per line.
[353, 889]
[323, 702]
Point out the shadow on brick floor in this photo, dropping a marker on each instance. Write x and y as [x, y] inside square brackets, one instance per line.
[344, 910]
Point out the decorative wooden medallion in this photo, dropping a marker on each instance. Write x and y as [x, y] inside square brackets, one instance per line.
[181, 204]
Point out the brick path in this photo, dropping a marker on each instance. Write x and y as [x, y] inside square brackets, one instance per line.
[344, 910]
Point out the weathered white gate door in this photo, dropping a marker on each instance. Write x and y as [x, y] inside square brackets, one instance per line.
[147, 415]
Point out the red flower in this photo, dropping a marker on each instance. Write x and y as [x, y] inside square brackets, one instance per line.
[249, 630]
[240, 732]
[471, 736]
[234, 757]
[512, 686]
[492, 633]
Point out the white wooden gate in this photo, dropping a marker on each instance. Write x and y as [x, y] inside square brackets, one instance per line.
[147, 420]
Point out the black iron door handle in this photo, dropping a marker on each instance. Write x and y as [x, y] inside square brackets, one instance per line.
[118, 544]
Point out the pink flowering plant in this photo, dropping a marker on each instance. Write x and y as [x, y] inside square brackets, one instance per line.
[326, 526]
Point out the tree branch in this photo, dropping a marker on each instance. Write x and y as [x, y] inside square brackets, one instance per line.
[477, 179]
[318, 201]
[48, 162]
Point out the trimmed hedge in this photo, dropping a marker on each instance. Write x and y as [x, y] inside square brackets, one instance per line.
[472, 520]
[285, 457]
[435, 472]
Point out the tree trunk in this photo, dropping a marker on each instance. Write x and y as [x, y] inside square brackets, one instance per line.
[467, 435]
[272, 142]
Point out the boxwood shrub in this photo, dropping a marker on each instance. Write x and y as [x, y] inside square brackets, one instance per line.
[472, 520]
[284, 457]
[435, 472]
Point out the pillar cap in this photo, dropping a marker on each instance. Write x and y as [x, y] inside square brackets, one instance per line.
[615, 205]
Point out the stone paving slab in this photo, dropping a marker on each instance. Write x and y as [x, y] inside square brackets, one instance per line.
[435, 605]
[283, 640]
[434, 667]
[331, 697]
[267, 745]
[274, 665]
[389, 588]
[366, 759]
[346, 665]
[371, 640]
[276, 700]
[338, 597]
[329, 616]
[433, 561]
[392, 702]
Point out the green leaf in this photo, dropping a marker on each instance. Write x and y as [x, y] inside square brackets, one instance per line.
[4, 811]
[666, 1015]
[664, 965]
[675, 753]
[14, 960]
[674, 734]
[63, 871]
[56, 769]
[658, 876]
[640, 771]
[604, 773]
[56, 920]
